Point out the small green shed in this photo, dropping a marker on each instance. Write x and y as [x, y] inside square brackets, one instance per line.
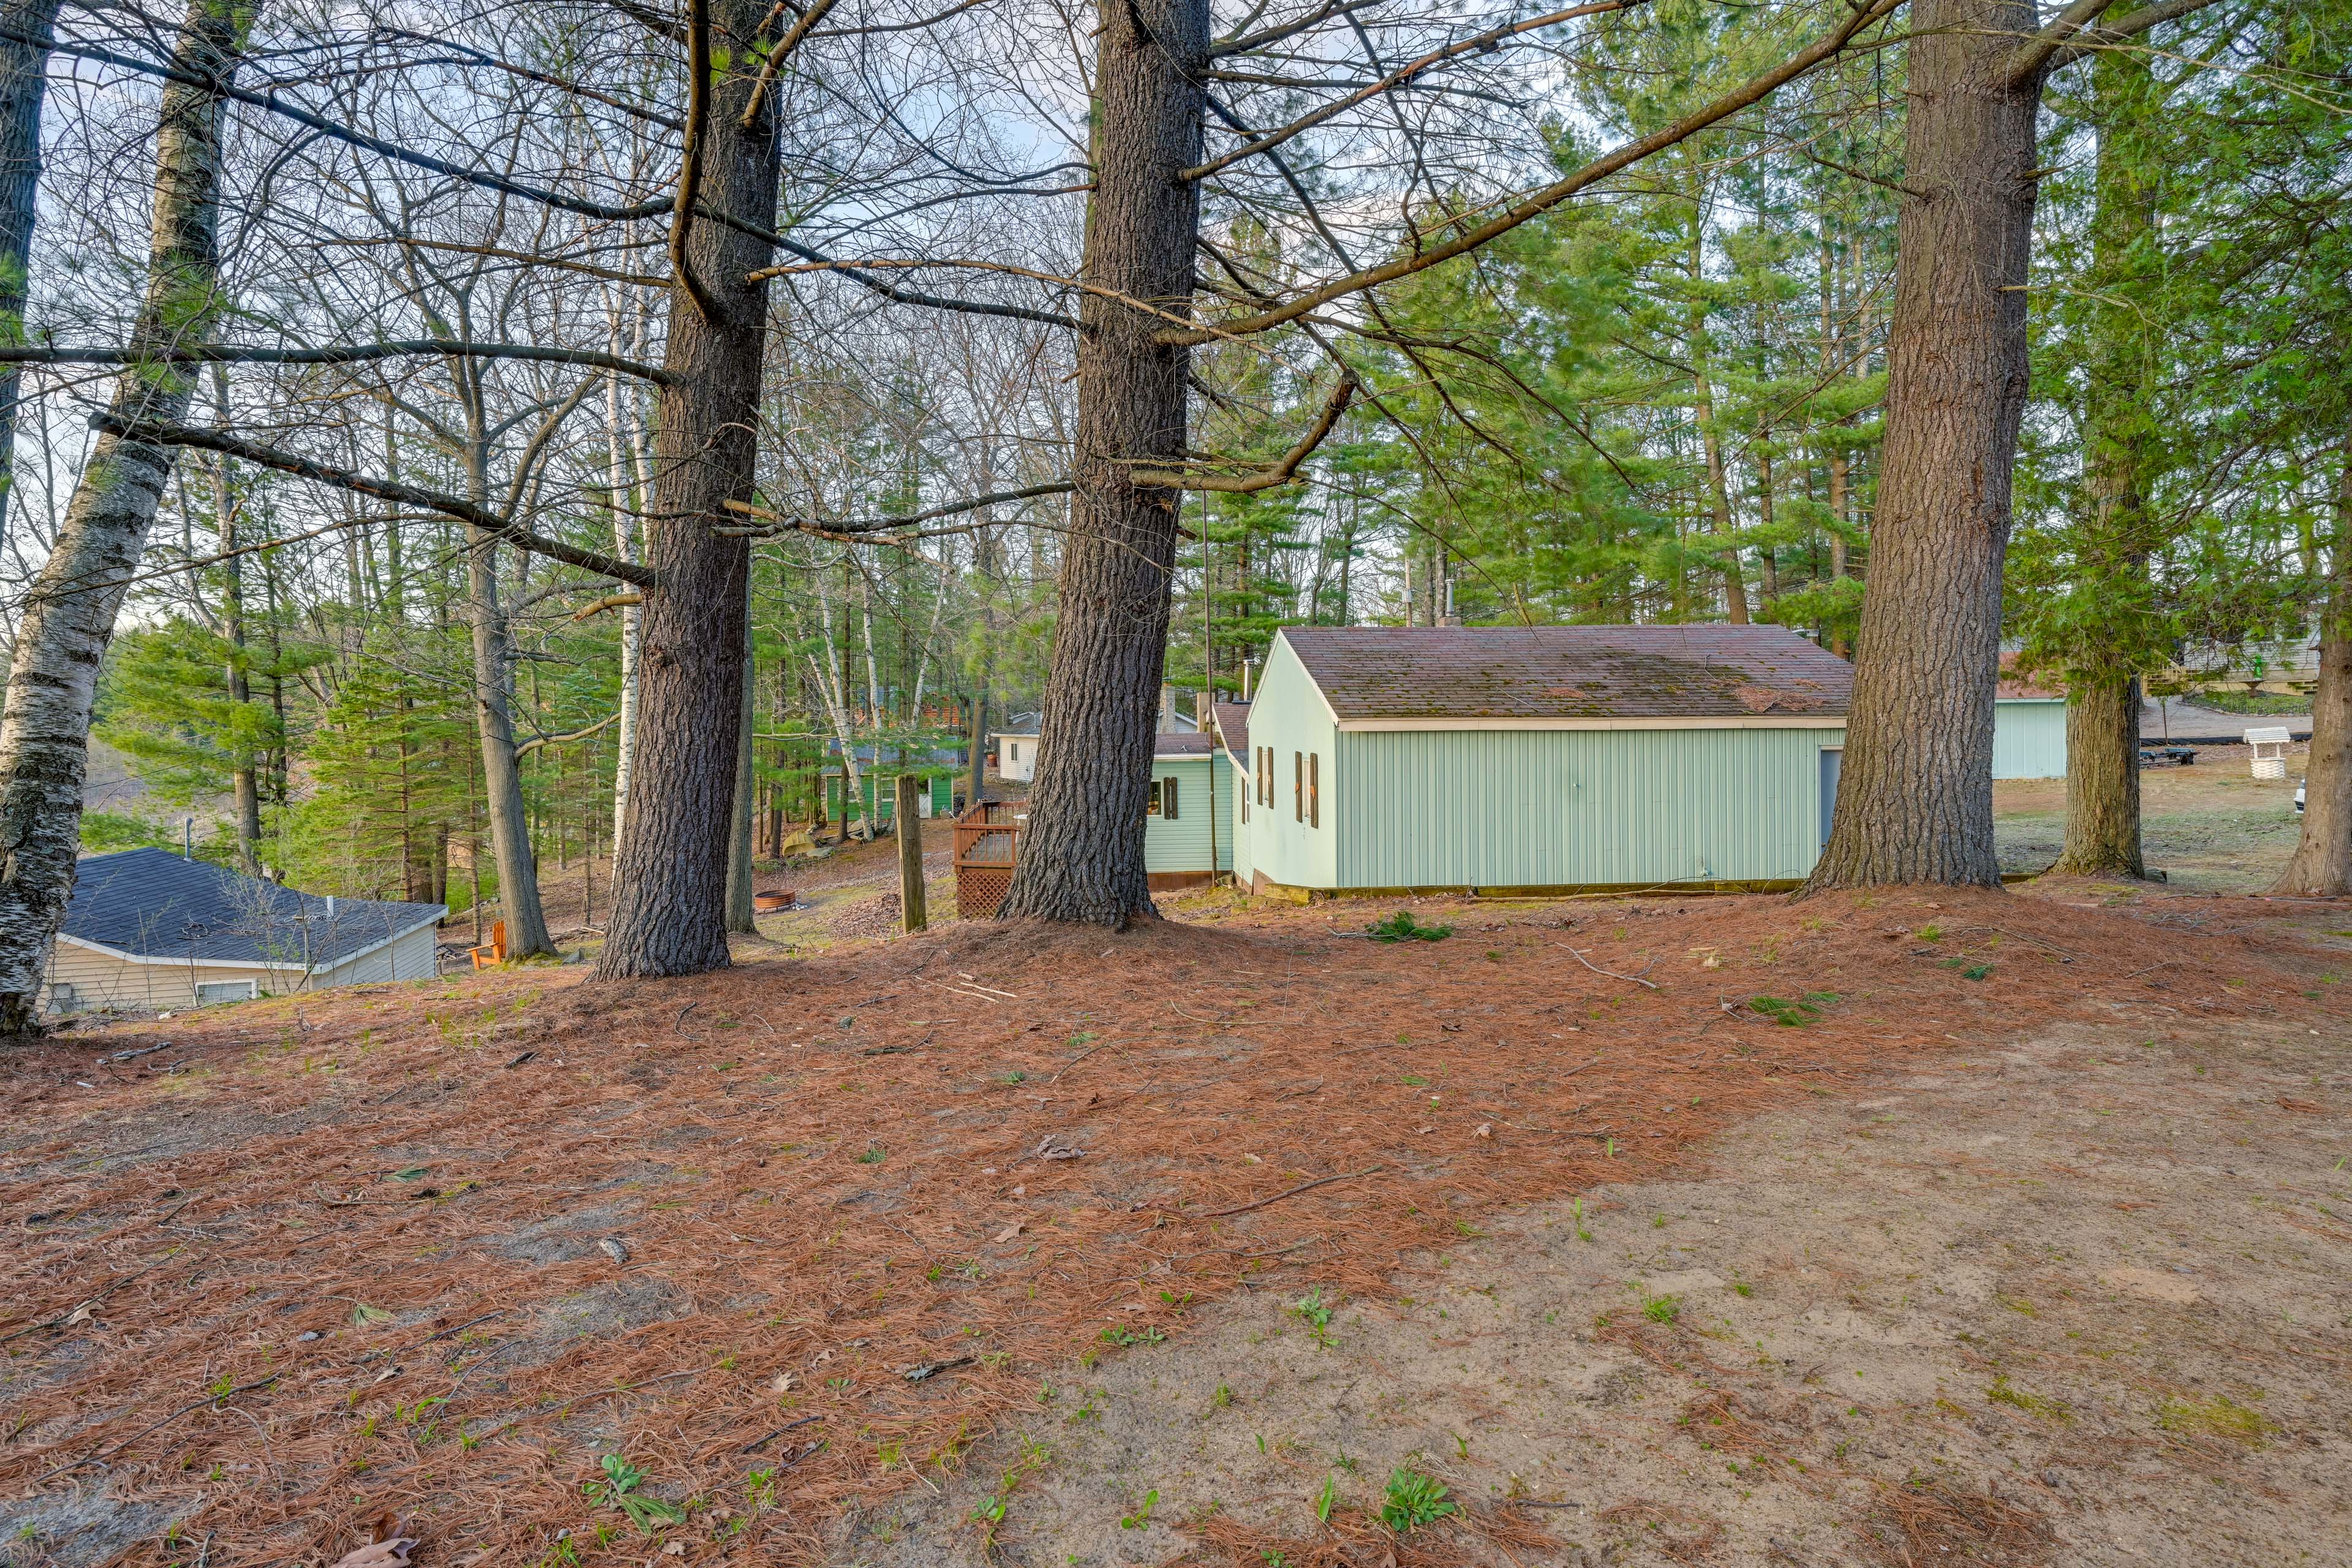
[1539, 758]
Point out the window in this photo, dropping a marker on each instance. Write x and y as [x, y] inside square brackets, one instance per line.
[1151, 806]
[1297, 786]
[1167, 798]
[1314, 790]
[1011, 751]
[212, 992]
[1266, 775]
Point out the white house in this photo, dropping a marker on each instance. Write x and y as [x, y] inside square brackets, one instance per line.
[148, 930]
[1016, 749]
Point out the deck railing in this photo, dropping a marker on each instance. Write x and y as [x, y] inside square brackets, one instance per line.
[987, 843]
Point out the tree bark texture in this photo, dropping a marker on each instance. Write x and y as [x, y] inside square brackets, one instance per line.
[2102, 780]
[1915, 804]
[24, 82]
[1082, 852]
[494, 664]
[2103, 809]
[669, 910]
[69, 618]
[2321, 866]
[740, 916]
[907, 813]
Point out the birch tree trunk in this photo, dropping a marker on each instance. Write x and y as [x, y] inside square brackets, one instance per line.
[669, 910]
[628, 504]
[24, 82]
[1082, 852]
[69, 617]
[1914, 805]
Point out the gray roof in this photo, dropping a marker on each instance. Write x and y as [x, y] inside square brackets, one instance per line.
[1181, 743]
[1232, 723]
[1571, 672]
[151, 904]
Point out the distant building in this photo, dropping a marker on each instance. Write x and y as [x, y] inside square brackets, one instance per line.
[2028, 728]
[1542, 758]
[148, 930]
[1186, 819]
[1017, 748]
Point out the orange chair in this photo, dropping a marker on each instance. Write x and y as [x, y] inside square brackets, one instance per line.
[496, 952]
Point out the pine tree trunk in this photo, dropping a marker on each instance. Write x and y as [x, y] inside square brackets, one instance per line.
[1718, 489]
[2321, 866]
[1082, 852]
[1915, 804]
[69, 618]
[739, 913]
[2103, 826]
[669, 910]
[24, 81]
[2102, 780]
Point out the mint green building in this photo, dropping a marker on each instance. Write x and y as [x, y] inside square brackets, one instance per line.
[2028, 737]
[1534, 758]
[1184, 829]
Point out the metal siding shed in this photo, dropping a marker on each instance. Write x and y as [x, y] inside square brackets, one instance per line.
[1555, 756]
[2029, 737]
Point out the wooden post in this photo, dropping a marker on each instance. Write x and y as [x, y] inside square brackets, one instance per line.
[909, 828]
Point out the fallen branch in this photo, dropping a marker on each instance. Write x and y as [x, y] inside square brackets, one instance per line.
[1610, 972]
[1289, 1193]
[64, 1317]
[158, 1426]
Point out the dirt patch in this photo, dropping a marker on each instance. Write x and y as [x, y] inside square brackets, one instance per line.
[2078, 1300]
[863, 1204]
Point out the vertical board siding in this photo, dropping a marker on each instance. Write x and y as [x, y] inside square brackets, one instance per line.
[1508, 808]
[1288, 715]
[1183, 844]
[2029, 737]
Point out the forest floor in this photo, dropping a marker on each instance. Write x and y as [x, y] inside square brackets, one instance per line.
[1992, 1227]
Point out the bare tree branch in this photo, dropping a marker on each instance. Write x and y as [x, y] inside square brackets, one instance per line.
[393, 490]
[1282, 473]
[1478, 45]
[779, 524]
[2128, 25]
[341, 354]
[1533, 206]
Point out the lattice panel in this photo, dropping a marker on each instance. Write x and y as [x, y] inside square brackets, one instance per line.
[980, 889]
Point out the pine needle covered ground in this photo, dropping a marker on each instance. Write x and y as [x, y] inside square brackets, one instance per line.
[790, 1240]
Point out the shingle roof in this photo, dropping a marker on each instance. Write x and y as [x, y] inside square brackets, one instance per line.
[1571, 672]
[1232, 723]
[1180, 743]
[151, 904]
[2038, 687]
